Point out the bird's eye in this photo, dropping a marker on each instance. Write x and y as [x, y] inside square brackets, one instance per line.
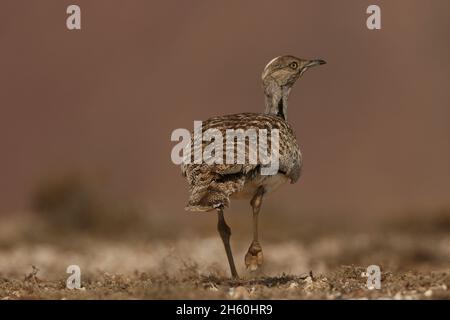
[293, 65]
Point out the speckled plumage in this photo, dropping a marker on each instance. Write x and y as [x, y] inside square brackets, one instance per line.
[211, 186]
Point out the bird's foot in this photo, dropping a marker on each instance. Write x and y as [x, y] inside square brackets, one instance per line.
[254, 257]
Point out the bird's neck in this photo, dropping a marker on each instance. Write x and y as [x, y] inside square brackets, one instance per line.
[277, 101]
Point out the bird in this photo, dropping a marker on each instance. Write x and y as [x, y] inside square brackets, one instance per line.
[213, 185]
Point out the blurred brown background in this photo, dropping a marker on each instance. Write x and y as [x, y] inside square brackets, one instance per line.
[102, 102]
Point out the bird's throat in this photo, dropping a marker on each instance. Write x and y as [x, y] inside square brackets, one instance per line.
[276, 99]
[277, 107]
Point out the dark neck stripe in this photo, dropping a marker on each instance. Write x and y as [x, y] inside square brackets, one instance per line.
[280, 112]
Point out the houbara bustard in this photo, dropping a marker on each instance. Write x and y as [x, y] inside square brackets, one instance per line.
[213, 184]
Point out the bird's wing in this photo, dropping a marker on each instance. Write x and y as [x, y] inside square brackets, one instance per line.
[211, 183]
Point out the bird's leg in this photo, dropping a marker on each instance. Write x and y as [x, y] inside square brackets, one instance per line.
[225, 233]
[254, 256]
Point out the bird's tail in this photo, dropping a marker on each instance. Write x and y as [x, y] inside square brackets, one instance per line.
[207, 200]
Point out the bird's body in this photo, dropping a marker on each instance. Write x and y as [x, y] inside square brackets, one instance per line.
[213, 184]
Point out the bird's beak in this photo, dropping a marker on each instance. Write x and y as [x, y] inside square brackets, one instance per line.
[313, 63]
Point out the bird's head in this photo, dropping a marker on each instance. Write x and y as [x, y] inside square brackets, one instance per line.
[285, 70]
[279, 76]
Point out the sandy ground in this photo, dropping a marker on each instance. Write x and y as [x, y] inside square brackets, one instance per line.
[414, 261]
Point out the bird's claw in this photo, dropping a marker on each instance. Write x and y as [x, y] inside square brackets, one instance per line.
[254, 257]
